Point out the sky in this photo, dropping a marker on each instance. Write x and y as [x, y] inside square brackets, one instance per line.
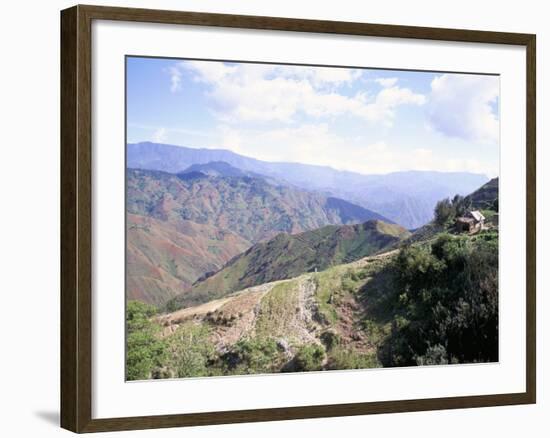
[364, 120]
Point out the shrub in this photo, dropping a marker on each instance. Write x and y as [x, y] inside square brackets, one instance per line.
[145, 352]
[191, 351]
[447, 310]
[341, 358]
[330, 339]
[436, 355]
[251, 356]
[310, 357]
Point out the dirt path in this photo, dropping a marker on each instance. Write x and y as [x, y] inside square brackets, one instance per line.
[304, 325]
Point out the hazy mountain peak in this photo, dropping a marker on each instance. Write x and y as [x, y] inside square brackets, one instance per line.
[216, 168]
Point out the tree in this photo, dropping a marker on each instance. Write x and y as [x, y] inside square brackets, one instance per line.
[444, 212]
[447, 210]
[461, 205]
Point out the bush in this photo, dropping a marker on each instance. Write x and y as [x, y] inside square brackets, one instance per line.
[447, 310]
[346, 359]
[252, 356]
[145, 352]
[191, 352]
[310, 357]
[330, 339]
[436, 355]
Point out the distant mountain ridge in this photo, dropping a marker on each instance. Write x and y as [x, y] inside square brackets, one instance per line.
[406, 198]
[290, 255]
[250, 207]
[218, 168]
[182, 226]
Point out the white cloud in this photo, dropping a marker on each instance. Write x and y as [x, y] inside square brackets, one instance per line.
[317, 144]
[460, 106]
[175, 79]
[262, 93]
[307, 143]
[386, 82]
[159, 136]
[209, 72]
[320, 76]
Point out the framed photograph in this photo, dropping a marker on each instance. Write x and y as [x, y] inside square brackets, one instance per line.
[271, 218]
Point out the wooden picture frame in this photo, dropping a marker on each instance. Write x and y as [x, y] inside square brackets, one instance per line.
[76, 217]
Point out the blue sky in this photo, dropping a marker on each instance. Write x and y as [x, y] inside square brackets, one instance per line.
[363, 120]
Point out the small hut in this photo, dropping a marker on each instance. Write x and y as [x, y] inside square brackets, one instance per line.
[471, 222]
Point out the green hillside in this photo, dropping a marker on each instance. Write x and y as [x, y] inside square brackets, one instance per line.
[426, 304]
[484, 197]
[287, 256]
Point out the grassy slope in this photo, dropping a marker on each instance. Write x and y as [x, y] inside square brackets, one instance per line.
[337, 310]
[346, 311]
[287, 256]
[295, 313]
[276, 309]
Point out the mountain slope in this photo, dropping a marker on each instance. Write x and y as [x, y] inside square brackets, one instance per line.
[181, 227]
[252, 208]
[485, 196]
[163, 258]
[269, 327]
[406, 198]
[287, 256]
[376, 311]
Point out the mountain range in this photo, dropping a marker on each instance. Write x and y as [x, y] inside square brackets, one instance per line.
[182, 226]
[407, 198]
